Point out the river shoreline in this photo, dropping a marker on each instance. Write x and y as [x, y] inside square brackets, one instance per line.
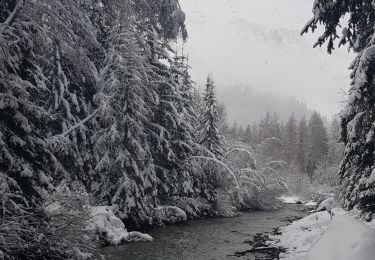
[209, 238]
[261, 249]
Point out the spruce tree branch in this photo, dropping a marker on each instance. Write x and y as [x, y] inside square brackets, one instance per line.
[12, 17]
[81, 123]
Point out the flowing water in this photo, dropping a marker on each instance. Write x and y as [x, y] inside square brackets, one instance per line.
[207, 239]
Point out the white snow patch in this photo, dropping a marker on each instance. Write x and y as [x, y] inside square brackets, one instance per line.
[346, 238]
[311, 203]
[301, 235]
[138, 236]
[371, 179]
[291, 199]
[26, 172]
[105, 222]
[43, 178]
[317, 237]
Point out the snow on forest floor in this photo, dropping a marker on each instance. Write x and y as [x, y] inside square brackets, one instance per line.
[317, 237]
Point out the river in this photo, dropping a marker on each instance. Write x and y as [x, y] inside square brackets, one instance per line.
[207, 239]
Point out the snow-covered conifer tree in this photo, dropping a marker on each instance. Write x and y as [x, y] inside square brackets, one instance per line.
[209, 121]
[266, 129]
[318, 139]
[144, 134]
[336, 148]
[302, 144]
[290, 140]
[30, 167]
[124, 160]
[248, 135]
[357, 119]
[171, 132]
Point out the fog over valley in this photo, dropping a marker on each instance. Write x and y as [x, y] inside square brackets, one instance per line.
[247, 105]
[258, 44]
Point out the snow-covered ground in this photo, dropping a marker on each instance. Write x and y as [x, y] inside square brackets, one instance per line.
[318, 237]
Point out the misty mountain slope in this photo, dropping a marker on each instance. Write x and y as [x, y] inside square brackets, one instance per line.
[246, 105]
[260, 45]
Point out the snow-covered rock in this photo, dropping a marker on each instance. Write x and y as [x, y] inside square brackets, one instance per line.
[138, 236]
[325, 205]
[104, 222]
[311, 204]
[291, 199]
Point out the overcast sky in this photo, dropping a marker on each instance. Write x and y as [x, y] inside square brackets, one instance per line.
[257, 43]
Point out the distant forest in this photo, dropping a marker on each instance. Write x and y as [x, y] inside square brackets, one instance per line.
[309, 145]
[246, 104]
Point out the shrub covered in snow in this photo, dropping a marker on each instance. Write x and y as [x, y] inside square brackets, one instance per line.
[68, 213]
[262, 185]
[223, 205]
[193, 207]
[57, 230]
[170, 214]
[240, 184]
[323, 184]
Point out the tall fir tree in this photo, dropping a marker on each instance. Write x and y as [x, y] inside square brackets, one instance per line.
[124, 161]
[247, 138]
[290, 140]
[209, 122]
[336, 149]
[234, 129]
[173, 136]
[276, 130]
[265, 127]
[255, 134]
[223, 119]
[302, 144]
[240, 133]
[318, 139]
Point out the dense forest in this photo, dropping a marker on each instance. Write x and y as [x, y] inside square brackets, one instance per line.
[94, 102]
[310, 147]
[98, 113]
[98, 110]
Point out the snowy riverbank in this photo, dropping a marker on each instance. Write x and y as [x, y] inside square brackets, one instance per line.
[208, 238]
[318, 237]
